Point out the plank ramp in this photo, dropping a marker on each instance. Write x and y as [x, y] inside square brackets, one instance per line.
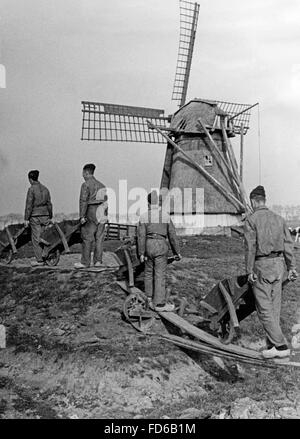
[210, 344]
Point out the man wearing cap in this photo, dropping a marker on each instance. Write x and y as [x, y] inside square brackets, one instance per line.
[93, 217]
[269, 248]
[38, 212]
[155, 227]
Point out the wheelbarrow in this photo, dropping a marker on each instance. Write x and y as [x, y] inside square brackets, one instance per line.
[136, 307]
[58, 238]
[12, 238]
[228, 303]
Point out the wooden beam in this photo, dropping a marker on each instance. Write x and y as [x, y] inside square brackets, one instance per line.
[234, 164]
[242, 152]
[214, 149]
[212, 180]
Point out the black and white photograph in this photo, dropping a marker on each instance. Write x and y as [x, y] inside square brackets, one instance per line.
[149, 213]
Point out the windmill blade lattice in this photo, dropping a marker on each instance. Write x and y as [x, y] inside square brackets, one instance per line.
[189, 13]
[239, 121]
[121, 123]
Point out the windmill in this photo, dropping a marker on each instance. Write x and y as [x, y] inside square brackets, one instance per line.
[199, 154]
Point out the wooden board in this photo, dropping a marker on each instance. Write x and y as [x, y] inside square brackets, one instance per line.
[210, 340]
[207, 338]
[204, 348]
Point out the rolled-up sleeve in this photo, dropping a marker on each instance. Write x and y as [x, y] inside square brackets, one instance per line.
[102, 195]
[83, 200]
[29, 204]
[288, 249]
[250, 245]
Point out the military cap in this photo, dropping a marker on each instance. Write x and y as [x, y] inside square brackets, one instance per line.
[259, 191]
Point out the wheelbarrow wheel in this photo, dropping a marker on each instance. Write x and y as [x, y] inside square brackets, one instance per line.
[136, 312]
[53, 258]
[6, 256]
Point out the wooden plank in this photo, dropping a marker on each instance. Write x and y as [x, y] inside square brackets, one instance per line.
[204, 348]
[201, 347]
[238, 352]
[96, 269]
[207, 338]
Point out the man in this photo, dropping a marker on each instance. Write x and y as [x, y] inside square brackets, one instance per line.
[268, 246]
[154, 228]
[38, 212]
[93, 217]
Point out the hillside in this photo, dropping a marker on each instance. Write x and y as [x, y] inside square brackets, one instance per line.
[70, 354]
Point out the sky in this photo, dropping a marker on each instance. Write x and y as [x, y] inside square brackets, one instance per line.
[57, 53]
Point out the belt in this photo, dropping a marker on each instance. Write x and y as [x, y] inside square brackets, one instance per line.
[155, 236]
[269, 256]
[95, 203]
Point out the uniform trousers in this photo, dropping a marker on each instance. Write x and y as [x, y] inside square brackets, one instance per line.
[38, 225]
[155, 270]
[92, 233]
[268, 291]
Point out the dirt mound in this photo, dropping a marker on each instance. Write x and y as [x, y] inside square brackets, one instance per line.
[70, 354]
[66, 337]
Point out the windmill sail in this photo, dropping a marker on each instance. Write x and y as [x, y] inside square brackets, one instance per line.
[239, 114]
[189, 13]
[121, 123]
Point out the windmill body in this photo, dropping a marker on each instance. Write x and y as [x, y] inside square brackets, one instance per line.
[215, 209]
[199, 154]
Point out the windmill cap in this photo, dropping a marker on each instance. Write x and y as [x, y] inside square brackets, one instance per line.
[259, 191]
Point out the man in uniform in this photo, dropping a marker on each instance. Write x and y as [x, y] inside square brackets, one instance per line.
[93, 217]
[38, 212]
[269, 247]
[155, 226]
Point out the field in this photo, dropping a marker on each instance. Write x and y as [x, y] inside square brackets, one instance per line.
[70, 354]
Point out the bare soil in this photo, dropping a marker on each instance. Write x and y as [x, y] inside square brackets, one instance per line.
[70, 354]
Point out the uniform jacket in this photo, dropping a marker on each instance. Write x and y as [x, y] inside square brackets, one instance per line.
[157, 222]
[267, 232]
[89, 201]
[38, 201]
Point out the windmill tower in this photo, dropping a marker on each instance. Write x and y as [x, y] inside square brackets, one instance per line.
[199, 154]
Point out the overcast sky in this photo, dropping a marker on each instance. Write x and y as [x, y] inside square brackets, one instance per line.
[59, 52]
